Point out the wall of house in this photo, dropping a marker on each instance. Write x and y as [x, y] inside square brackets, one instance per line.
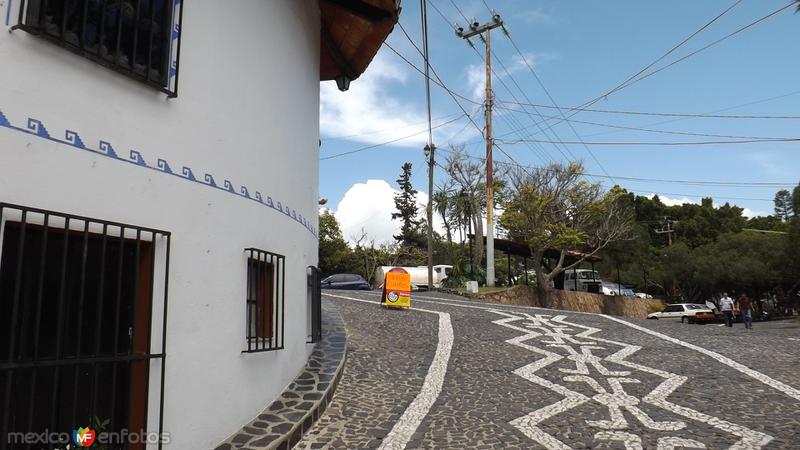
[213, 167]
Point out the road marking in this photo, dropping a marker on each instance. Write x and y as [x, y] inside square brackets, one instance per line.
[782, 387]
[775, 384]
[545, 334]
[412, 417]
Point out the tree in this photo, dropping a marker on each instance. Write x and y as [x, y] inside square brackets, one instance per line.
[555, 208]
[783, 205]
[442, 205]
[792, 248]
[469, 200]
[335, 256]
[405, 201]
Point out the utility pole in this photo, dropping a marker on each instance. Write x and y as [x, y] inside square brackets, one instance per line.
[668, 222]
[430, 149]
[484, 31]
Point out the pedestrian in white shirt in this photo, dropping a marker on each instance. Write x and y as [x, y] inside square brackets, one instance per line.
[726, 306]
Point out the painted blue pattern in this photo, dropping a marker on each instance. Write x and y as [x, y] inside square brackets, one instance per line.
[72, 138]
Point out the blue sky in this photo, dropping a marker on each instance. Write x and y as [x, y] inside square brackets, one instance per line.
[579, 50]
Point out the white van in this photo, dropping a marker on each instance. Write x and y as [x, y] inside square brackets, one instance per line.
[583, 280]
[419, 275]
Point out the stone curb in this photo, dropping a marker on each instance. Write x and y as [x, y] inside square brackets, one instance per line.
[284, 422]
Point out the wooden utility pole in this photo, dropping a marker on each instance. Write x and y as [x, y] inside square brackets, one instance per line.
[476, 29]
[430, 149]
[668, 230]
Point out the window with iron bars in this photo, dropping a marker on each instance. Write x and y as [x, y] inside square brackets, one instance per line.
[138, 38]
[314, 276]
[82, 334]
[266, 275]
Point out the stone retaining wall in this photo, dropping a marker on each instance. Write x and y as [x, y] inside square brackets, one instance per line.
[635, 307]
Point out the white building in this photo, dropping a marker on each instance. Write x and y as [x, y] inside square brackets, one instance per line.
[162, 157]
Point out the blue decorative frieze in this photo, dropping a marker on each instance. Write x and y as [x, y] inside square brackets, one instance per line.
[74, 139]
[35, 127]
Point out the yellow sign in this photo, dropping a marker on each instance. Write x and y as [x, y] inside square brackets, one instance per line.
[397, 288]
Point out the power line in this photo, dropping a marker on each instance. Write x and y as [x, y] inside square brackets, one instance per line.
[634, 79]
[631, 79]
[629, 190]
[755, 102]
[742, 141]
[369, 147]
[384, 130]
[751, 24]
[547, 92]
[440, 81]
[661, 180]
[508, 121]
[648, 130]
[645, 193]
[668, 114]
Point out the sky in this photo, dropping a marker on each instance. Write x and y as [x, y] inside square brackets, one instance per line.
[579, 50]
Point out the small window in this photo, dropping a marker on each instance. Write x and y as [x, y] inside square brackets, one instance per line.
[314, 305]
[138, 38]
[265, 292]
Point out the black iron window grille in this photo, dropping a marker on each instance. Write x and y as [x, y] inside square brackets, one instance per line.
[314, 304]
[138, 38]
[83, 328]
[266, 276]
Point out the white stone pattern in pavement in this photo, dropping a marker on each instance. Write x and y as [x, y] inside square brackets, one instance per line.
[413, 415]
[559, 341]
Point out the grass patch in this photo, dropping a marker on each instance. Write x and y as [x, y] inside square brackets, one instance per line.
[487, 289]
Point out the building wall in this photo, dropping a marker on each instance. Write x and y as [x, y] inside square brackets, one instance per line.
[247, 115]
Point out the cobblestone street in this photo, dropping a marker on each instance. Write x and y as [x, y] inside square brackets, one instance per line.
[453, 373]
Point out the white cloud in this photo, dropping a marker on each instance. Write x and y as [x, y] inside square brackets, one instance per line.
[476, 80]
[749, 213]
[377, 109]
[368, 107]
[672, 201]
[369, 206]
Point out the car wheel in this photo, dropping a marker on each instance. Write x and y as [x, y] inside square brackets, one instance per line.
[684, 319]
[653, 318]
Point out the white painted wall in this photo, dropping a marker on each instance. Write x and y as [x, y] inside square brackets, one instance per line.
[247, 112]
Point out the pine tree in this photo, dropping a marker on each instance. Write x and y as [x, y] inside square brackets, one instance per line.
[406, 203]
[783, 205]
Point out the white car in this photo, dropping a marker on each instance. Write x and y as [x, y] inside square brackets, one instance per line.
[685, 312]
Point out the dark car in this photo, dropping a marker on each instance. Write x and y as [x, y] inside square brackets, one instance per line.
[345, 281]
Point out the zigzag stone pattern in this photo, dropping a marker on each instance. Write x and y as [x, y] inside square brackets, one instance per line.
[36, 128]
[595, 373]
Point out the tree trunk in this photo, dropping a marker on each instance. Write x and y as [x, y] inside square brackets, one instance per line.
[477, 257]
[542, 280]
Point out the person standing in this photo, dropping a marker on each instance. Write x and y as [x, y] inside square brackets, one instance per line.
[726, 306]
[746, 310]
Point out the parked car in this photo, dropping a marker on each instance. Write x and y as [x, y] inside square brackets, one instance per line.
[350, 281]
[608, 288]
[627, 292]
[685, 312]
[583, 280]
